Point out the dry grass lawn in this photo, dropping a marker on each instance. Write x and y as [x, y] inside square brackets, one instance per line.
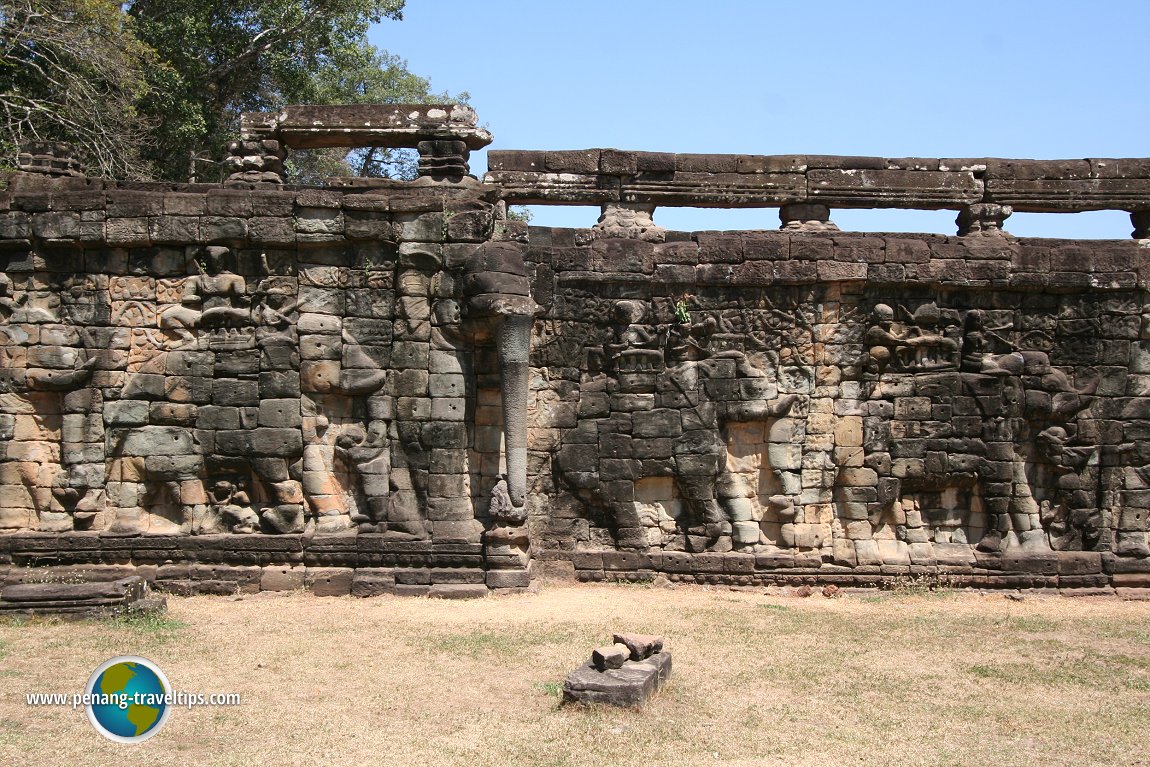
[759, 679]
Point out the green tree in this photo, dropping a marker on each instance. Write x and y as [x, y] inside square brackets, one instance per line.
[155, 88]
[364, 75]
[72, 70]
[225, 57]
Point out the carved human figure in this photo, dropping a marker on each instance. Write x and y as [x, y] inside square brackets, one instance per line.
[9, 305]
[928, 346]
[985, 351]
[503, 512]
[368, 453]
[360, 493]
[231, 502]
[1132, 521]
[214, 297]
[633, 343]
[1065, 508]
[882, 338]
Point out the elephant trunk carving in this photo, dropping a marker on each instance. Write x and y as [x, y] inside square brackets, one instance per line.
[500, 307]
[513, 342]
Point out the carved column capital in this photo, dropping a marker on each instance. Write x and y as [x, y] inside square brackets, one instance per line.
[49, 158]
[1141, 221]
[443, 159]
[806, 217]
[983, 218]
[628, 220]
[256, 161]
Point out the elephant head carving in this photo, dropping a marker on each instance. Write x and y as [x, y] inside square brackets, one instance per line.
[498, 307]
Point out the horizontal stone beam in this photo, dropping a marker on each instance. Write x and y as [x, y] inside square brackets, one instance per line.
[304, 126]
[601, 176]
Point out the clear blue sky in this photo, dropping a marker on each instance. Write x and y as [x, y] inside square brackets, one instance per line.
[1048, 80]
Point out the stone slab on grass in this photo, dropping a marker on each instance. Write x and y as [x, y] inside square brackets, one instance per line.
[628, 686]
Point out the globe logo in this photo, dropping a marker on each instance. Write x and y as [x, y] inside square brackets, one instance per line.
[130, 699]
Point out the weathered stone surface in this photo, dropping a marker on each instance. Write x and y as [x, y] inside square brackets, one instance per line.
[640, 646]
[773, 181]
[457, 591]
[613, 656]
[353, 125]
[254, 381]
[77, 601]
[629, 686]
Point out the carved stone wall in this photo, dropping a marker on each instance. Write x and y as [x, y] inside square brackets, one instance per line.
[252, 378]
[385, 386]
[773, 406]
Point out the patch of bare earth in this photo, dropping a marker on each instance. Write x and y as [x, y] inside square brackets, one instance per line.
[956, 679]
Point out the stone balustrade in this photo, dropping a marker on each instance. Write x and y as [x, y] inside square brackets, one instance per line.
[611, 177]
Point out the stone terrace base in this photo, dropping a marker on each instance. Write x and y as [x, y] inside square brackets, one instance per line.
[362, 565]
[79, 601]
[1069, 571]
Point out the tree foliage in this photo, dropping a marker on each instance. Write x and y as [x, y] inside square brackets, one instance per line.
[72, 70]
[155, 87]
[364, 76]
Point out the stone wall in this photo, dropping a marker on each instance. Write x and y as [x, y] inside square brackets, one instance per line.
[787, 407]
[384, 386]
[201, 379]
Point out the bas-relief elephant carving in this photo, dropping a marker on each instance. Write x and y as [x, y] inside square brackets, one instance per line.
[984, 438]
[188, 424]
[499, 308]
[333, 448]
[48, 357]
[657, 421]
[401, 432]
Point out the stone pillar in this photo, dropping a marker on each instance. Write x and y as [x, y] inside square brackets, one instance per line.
[256, 161]
[628, 220]
[982, 218]
[1141, 221]
[806, 217]
[443, 159]
[49, 158]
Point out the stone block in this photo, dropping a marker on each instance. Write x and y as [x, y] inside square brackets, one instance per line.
[458, 591]
[609, 656]
[329, 581]
[282, 578]
[457, 575]
[629, 686]
[373, 582]
[508, 579]
[279, 413]
[1079, 562]
[235, 392]
[261, 441]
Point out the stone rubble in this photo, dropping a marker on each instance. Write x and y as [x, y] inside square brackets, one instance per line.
[625, 674]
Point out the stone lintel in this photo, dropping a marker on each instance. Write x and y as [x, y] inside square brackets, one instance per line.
[305, 126]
